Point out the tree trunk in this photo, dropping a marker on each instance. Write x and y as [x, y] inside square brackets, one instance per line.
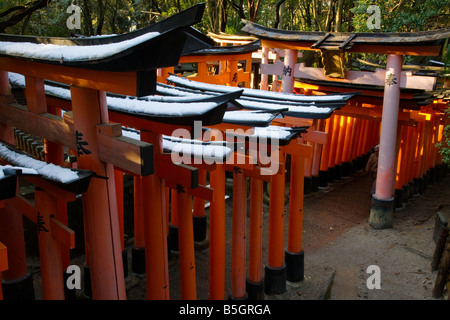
[239, 8]
[339, 11]
[253, 8]
[100, 17]
[316, 15]
[87, 21]
[223, 18]
[279, 13]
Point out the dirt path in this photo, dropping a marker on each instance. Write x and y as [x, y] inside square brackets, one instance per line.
[339, 246]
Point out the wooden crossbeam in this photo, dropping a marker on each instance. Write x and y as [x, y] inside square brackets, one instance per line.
[132, 155]
[128, 154]
[138, 84]
[60, 232]
[299, 149]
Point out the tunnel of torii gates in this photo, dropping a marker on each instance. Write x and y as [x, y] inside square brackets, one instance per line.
[392, 106]
[94, 126]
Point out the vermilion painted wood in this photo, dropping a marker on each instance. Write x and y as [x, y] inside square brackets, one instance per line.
[3, 264]
[156, 254]
[186, 247]
[276, 220]
[295, 233]
[49, 250]
[217, 235]
[255, 264]
[99, 202]
[199, 204]
[239, 229]
[139, 238]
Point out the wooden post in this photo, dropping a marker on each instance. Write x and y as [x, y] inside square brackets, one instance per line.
[217, 235]
[238, 246]
[294, 254]
[275, 270]
[156, 254]
[138, 251]
[290, 59]
[101, 221]
[381, 213]
[49, 249]
[186, 247]
[265, 77]
[255, 264]
[199, 216]
[173, 225]
[3, 264]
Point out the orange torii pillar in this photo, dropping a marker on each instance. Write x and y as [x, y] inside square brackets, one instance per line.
[346, 166]
[54, 153]
[186, 246]
[155, 226]
[49, 248]
[255, 284]
[333, 148]
[17, 283]
[323, 169]
[173, 224]
[275, 269]
[401, 168]
[217, 235]
[199, 215]
[316, 160]
[101, 221]
[382, 208]
[239, 230]
[3, 263]
[138, 249]
[118, 178]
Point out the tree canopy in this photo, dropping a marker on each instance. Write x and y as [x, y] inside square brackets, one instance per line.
[49, 17]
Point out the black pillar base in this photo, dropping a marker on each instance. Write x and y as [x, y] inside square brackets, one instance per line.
[137, 261]
[338, 172]
[406, 191]
[295, 266]
[346, 169]
[399, 198]
[173, 238]
[307, 184]
[87, 282]
[255, 290]
[421, 185]
[411, 190]
[275, 280]
[199, 228]
[314, 183]
[381, 213]
[19, 289]
[323, 179]
[331, 173]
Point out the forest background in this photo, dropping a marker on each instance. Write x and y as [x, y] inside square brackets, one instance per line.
[98, 17]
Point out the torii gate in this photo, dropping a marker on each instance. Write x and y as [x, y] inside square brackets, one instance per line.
[395, 46]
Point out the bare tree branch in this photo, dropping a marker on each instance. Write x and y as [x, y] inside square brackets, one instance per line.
[21, 13]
